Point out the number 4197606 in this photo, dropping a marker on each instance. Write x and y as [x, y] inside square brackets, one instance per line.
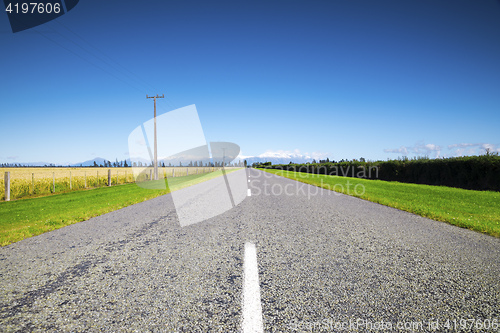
[33, 8]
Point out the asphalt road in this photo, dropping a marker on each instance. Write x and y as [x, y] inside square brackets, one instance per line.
[326, 262]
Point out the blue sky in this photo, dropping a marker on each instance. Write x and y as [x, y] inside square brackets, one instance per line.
[343, 79]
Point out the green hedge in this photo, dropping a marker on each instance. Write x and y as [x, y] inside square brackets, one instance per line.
[469, 172]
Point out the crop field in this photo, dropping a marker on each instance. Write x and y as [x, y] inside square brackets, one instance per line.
[33, 182]
[21, 219]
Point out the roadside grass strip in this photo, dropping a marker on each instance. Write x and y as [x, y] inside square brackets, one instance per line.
[474, 210]
[25, 218]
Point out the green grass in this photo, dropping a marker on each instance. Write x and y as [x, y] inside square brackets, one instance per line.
[25, 218]
[475, 210]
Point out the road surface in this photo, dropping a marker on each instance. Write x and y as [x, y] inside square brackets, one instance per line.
[289, 258]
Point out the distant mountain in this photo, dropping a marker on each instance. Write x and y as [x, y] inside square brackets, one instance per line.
[279, 157]
[277, 160]
[98, 160]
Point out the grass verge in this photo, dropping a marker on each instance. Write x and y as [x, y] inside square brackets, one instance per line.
[475, 210]
[25, 218]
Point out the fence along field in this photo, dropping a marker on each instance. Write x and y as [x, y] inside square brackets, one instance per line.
[31, 182]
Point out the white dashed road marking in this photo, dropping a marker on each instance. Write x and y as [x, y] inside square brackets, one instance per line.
[252, 307]
[249, 193]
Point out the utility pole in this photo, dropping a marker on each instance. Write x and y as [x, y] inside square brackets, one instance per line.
[156, 155]
[225, 176]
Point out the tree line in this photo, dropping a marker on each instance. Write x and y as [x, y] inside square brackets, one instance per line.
[469, 172]
[125, 164]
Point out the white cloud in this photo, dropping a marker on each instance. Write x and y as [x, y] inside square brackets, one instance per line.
[461, 149]
[461, 145]
[431, 146]
[489, 147]
[319, 155]
[419, 148]
[401, 150]
[283, 154]
[295, 154]
[456, 149]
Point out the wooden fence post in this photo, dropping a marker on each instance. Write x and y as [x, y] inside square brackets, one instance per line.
[173, 172]
[109, 177]
[150, 174]
[7, 185]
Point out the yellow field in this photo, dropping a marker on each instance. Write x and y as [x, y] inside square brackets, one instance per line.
[28, 182]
